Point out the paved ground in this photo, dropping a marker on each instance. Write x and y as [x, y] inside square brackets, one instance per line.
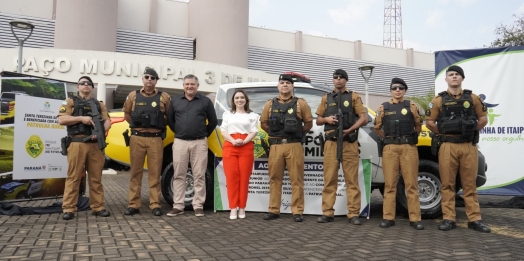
[215, 237]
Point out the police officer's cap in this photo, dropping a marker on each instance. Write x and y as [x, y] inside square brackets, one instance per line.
[457, 69]
[87, 78]
[342, 73]
[285, 77]
[398, 81]
[151, 72]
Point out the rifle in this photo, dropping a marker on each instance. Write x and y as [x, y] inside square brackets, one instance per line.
[98, 128]
[340, 128]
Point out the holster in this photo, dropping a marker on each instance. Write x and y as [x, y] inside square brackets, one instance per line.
[435, 144]
[352, 137]
[265, 146]
[65, 142]
[380, 146]
[127, 138]
[322, 142]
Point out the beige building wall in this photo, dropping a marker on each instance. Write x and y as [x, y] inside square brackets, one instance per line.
[133, 14]
[424, 60]
[273, 39]
[36, 8]
[281, 40]
[172, 18]
[329, 46]
[375, 53]
[221, 30]
[86, 25]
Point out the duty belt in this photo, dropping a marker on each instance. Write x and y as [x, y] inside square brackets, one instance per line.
[454, 139]
[146, 134]
[81, 139]
[399, 140]
[283, 140]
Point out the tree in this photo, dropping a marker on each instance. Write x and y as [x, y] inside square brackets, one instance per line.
[510, 35]
[422, 101]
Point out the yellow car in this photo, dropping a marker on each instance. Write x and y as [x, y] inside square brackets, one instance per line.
[259, 93]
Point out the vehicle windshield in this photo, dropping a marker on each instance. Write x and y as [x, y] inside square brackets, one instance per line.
[260, 95]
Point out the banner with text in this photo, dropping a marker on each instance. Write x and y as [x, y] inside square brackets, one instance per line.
[37, 139]
[258, 194]
[495, 74]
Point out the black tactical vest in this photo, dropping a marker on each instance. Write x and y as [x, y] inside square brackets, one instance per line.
[147, 113]
[283, 120]
[458, 115]
[398, 120]
[81, 108]
[350, 117]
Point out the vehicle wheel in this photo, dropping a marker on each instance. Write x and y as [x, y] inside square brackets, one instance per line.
[167, 186]
[21, 195]
[429, 187]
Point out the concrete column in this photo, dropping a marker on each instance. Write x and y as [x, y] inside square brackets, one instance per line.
[152, 16]
[221, 30]
[101, 92]
[358, 50]
[298, 41]
[410, 57]
[86, 25]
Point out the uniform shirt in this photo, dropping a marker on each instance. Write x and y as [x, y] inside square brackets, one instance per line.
[414, 111]
[129, 105]
[435, 107]
[68, 107]
[303, 109]
[243, 123]
[356, 101]
[187, 118]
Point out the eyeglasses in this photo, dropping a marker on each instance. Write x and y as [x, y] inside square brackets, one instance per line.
[338, 76]
[152, 77]
[394, 88]
[85, 83]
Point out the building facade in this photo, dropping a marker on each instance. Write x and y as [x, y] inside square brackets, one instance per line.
[112, 41]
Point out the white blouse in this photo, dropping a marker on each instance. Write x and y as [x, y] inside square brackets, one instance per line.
[243, 123]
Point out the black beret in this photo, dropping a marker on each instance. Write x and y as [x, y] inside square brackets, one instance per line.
[456, 68]
[151, 72]
[398, 81]
[87, 78]
[342, 73]
[286, 77]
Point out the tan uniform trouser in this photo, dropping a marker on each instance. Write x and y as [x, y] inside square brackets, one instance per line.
[404, 156]
[139, 147]
[350, 163]
[289, 155]
[81, 154]
[461, 157]
[185, 152]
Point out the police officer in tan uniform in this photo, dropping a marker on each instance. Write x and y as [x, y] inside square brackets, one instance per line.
[145, 111]
[398, 123]
[286, 119]
[355, 116]
[455, 116]
[74, 113]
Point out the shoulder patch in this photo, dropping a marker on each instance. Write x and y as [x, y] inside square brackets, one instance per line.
[428, 112]
[430, 105]
[64, 102]
[62, 109]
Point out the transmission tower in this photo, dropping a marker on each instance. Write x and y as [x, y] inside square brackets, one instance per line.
[392, 24]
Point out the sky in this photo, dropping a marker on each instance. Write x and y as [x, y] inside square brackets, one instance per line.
[427, 25]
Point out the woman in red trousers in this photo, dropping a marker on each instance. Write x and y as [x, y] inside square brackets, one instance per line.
[239, 127]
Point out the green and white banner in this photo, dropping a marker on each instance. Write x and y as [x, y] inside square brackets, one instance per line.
[258, 195]
[496, 76]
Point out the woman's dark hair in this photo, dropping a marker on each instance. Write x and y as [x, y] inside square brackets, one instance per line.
[233, 105]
